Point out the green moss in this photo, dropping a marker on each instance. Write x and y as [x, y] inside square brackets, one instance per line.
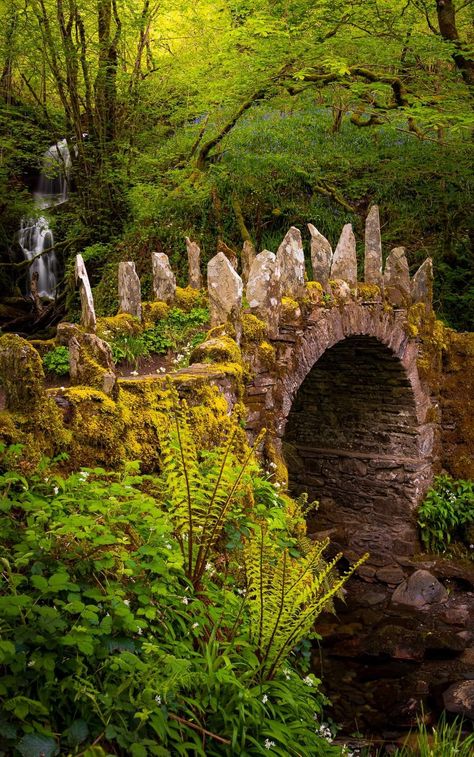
[314, 293]
[253, 329]
[155, 311]
[290, 310]
[117, 325]
[21, 373]
[266, 353]
[188, 298]
[221, 349]
[369, 292]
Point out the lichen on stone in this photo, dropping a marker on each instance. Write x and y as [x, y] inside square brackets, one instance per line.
[253, 329]
[217, 350]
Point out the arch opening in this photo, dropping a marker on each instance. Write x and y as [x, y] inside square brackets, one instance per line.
[354, 443]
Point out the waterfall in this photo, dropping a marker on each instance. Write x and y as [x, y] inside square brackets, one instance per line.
[35, 235]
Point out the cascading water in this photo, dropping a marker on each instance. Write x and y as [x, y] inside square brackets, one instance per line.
[35, 236]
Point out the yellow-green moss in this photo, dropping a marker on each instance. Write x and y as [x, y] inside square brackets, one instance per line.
[266, 353]
[369, 292]
[290, 310]
[314, 293]
[43, 345]
[188, 298]
[221, 349]
[21, 373]
[117, 325]
[253, 328]
[155, 311]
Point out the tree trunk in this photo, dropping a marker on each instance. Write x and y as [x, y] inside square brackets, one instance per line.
[446, 11]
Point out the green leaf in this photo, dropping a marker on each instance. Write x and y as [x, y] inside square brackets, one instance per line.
[36, 745]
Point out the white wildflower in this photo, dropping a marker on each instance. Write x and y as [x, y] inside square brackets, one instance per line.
[287, 673]
[269, 744]
[56, 489]
[195, 625]
[308, 681]
[133, 373]
[126, 602]
[158, 699]
[209, 567]
[185, 601]
[140, 631]
[264, 699]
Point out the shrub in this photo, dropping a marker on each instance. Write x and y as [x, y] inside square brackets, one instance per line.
[129, 348]
[57, 361]
[446, 513]
[126, 624]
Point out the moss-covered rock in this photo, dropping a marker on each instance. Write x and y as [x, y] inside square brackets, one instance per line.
[21, 373]
[369, 292]
[290, 311]
[188, 298]
[155, 311]
[117, 325]
[253, 329]
[218, 350]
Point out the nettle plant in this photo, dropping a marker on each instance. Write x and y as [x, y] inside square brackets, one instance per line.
[447, 514]
[157, 615]
[57, 361]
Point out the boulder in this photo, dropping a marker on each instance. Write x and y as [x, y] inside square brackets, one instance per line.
[88, 317]
[422, 285]
[225, 292]
[263, 290]
[194, 260]
[397, 278]
[373, 248]
[420, 590]
[164, 281]
[321, 256]
[129, 290]
[90, 360]
[290, 265]
[459, 699]
[21, 374]
[344, 261]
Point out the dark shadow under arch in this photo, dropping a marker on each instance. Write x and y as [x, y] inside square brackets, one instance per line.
[354, 442]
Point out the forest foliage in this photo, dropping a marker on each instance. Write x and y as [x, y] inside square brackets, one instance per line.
[230, 119]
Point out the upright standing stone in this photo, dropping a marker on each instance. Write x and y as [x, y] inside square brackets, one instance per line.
[321, 256]
[164, 281]
[229, 253]
[344, 262]
[194, 260]
[397, 278]
[263, 290]
[290, 265]
[88, 319]
[129, 290]
[225, 292]
[422, 285]
[373, 249]
[247, 258]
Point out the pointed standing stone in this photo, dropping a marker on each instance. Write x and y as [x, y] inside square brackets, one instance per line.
[321, 256]
[129, 290]
[229, 253]
[397, 278]
[290, 265]
[194, 259]
[164, 281]
[247, 258]
[373, 248]
[422, 284]
[225, 292]
[263, 291]
[344, 262]
[88, 319]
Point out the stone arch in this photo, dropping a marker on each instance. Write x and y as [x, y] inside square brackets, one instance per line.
[357, 366]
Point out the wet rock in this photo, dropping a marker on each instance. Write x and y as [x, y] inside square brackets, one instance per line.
[321, 256]
[194, 260]
[263, 290]
[164, 280]
[248, 256]
[88, 317]
[290, 265]
[420, 590]
[225, 292]
[459, 699]
[129, 290]
[344, 261]
[422, 285]
[373, 248]
[397, 278]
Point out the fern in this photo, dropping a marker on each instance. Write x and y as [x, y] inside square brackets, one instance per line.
[202, 490]
[285, 595]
